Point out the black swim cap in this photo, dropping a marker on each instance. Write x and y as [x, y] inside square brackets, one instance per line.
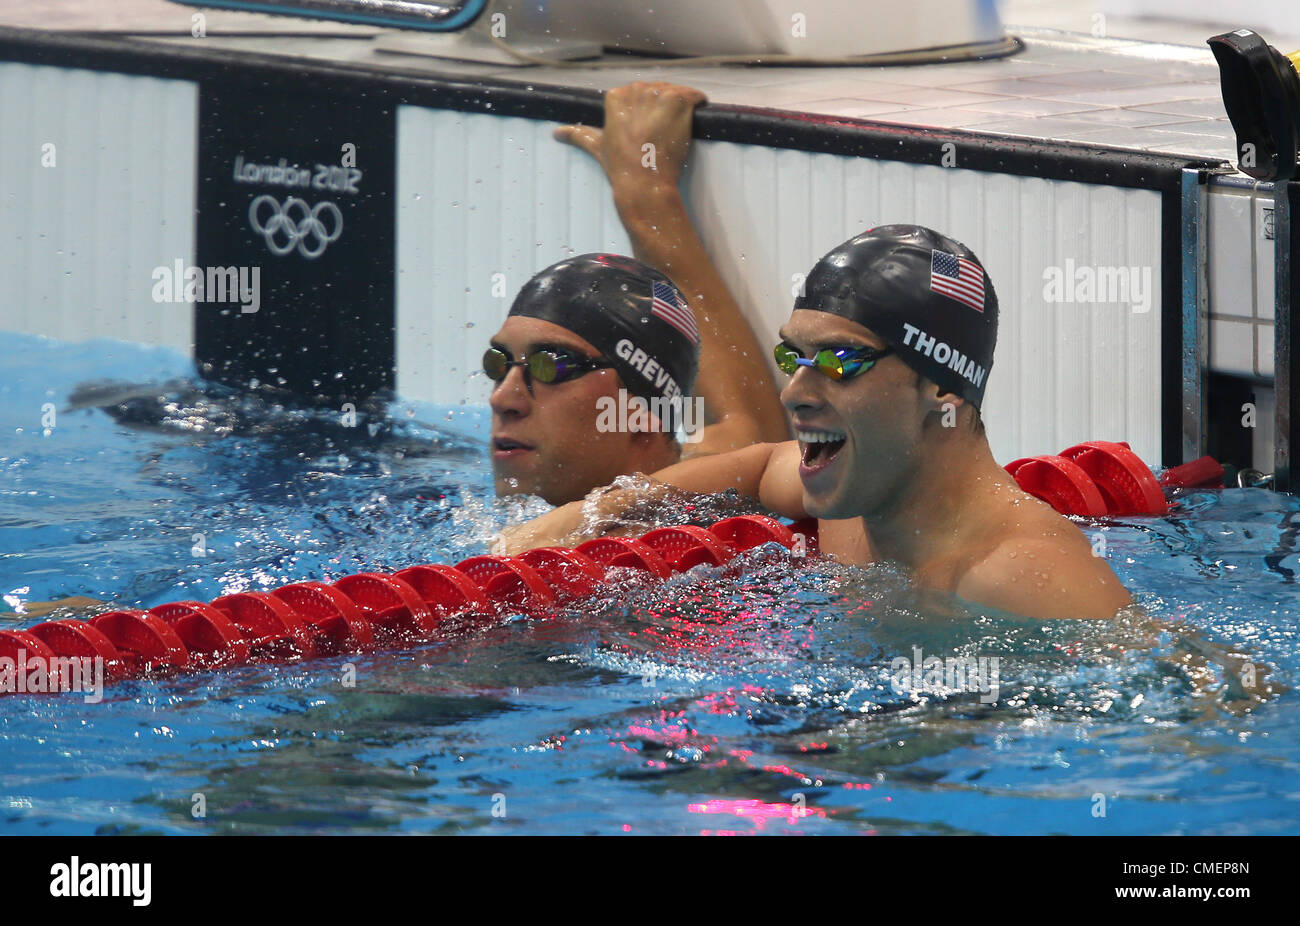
[629, 311]
[927, 295]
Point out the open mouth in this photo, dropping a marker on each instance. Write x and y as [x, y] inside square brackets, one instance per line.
[819, 447]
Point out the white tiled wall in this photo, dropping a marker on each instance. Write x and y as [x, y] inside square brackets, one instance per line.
[481, 195]
[1240, 278]
[84, 221]
[1262, 443]
[483, 203]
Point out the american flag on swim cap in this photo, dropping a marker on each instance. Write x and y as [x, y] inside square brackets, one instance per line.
[667, 304]
[957, 278]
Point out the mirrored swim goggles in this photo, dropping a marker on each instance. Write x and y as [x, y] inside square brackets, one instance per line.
[549, 365]
[839, 363]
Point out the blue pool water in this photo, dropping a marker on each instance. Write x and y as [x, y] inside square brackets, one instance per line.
[759, 699]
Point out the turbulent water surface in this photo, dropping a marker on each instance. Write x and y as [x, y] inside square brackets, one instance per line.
[777, 695]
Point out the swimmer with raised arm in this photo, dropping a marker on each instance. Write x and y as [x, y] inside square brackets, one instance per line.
[643, 149]
[889, 350]
[586, 328]
[588, 334]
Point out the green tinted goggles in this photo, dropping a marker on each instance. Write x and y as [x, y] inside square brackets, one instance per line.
[839, 363]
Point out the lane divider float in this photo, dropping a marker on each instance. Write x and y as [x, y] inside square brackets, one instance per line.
[373, 611]
[1098, 479]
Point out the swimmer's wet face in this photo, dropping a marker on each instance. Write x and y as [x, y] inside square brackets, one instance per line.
[556, 440]
[859, 437]
[927, 298]
[546, 442]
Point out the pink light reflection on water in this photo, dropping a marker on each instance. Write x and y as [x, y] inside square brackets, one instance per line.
[757, 810]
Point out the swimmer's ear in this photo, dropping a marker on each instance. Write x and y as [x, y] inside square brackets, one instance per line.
[938, 399]
[943, 405]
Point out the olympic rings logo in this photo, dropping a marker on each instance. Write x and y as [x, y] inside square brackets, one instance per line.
[295, 225]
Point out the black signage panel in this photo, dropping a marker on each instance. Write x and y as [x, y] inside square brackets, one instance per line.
[296, 230]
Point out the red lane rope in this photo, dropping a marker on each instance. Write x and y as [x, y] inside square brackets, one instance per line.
[1105, 479]
[370, 610]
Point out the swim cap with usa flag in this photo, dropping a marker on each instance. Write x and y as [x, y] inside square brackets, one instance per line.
[629, 311]
[924, 293]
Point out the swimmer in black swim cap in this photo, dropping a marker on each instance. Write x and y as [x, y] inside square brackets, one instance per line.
[926, 295]
[909, 318]
[888, 351]
[579, 333]
[593, 337]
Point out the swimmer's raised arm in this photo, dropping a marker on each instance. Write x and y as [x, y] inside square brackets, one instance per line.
[740, 398]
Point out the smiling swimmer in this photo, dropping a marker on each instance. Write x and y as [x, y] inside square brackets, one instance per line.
[889, 350]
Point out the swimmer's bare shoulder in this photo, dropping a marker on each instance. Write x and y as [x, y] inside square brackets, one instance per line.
[1044, 567]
